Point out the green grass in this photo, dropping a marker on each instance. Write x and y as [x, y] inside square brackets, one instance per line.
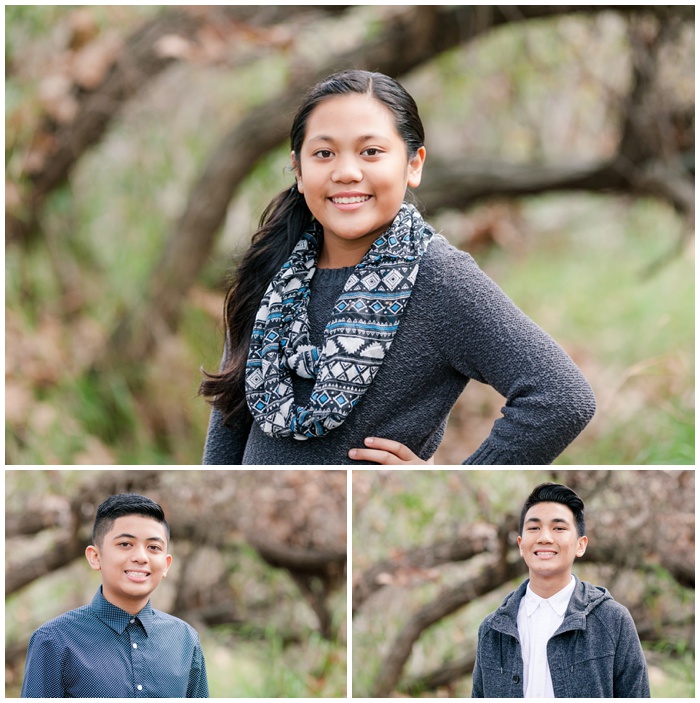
[585, 278]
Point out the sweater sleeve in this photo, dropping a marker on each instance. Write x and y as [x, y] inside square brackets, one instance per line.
[224, 445]
[631, 678]
[477, 674]
[548, 401]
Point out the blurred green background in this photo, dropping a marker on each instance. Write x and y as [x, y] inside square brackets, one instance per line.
[109, 320]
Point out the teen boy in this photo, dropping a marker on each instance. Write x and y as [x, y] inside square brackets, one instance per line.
[119, 646]
[557, 636]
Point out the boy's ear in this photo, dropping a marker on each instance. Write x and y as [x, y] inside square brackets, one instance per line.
[93, 557]
[582, 544]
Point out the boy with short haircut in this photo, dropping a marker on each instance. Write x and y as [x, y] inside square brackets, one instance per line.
[118, 646]
[557, 636]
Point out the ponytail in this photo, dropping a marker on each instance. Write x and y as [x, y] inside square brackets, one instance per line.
[282, 223]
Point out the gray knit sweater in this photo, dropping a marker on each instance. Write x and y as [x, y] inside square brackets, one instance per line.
[457, 326]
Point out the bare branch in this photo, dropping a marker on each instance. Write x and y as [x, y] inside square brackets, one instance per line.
[482, 538]
[492, 576]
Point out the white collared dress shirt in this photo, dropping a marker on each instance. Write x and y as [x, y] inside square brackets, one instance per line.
[538, 619]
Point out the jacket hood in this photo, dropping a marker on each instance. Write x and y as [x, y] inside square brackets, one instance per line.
[584, 600]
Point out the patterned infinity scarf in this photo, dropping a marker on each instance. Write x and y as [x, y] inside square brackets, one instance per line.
[356, 339]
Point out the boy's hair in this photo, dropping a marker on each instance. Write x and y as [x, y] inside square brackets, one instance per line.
[121, 505]
[556, 493]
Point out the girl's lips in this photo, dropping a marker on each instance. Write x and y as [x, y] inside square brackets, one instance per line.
[349, 201]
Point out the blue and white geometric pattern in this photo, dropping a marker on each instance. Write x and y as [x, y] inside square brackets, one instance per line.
[358, 335]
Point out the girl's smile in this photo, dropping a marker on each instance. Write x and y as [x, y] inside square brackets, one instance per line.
[353, 171]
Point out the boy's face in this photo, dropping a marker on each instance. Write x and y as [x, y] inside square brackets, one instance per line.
[550, 543]
[133, 560]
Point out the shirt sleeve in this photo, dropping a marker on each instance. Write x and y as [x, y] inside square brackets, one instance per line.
[198, 686]
[548, 401]
[43, 671]
[631, 674]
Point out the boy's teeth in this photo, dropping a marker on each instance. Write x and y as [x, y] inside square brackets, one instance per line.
[350, 201]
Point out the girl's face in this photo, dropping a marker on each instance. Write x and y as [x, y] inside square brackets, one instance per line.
[353, 171]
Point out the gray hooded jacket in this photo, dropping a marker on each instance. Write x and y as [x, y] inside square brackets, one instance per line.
[595, 653]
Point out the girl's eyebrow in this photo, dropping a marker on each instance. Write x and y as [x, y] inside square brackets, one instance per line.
[325, 138]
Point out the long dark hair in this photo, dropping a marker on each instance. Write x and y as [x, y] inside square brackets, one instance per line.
[282, 223]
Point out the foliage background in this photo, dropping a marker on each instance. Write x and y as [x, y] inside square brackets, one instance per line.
[608, 274]
[635, 514]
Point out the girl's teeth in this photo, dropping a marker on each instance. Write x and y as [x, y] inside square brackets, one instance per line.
[350, 201]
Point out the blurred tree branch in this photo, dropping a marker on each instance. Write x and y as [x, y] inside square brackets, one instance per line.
[404, 42]
[414, 562]
[173, 35]
[492, 575]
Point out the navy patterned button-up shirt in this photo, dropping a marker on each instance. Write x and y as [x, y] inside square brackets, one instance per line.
[101, 651]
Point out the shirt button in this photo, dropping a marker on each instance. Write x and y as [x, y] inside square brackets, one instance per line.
[139, 687]
[135, 646]
[516, 678]
[132, 621]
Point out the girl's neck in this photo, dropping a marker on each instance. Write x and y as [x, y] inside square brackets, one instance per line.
[342, 254]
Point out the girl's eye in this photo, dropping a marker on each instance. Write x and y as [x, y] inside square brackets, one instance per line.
[372, 151]
[323, 154]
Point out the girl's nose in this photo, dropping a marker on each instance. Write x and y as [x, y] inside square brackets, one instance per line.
[346, 171]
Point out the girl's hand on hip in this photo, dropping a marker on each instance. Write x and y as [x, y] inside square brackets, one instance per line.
[386, 451]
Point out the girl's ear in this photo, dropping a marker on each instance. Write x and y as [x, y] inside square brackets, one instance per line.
[93, 557]
[297, 172]
[415, 168]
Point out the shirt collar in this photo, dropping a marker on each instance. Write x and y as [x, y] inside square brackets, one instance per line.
[559, 601]
[118, 619]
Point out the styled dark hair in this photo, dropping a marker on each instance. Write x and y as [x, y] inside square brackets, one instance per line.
[282, 223]
[556, 493]
[121, 505]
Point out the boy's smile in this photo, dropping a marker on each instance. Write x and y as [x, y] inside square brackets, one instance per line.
[133, 560]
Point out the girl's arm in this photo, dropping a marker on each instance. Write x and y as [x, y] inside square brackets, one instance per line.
[478, 331]
[224, 446]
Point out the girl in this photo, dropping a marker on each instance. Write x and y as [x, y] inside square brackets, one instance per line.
[352, 328]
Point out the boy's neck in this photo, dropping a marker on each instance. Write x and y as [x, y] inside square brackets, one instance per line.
[133, 607]
[546, 587]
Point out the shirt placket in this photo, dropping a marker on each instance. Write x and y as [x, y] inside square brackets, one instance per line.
[137, 644]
